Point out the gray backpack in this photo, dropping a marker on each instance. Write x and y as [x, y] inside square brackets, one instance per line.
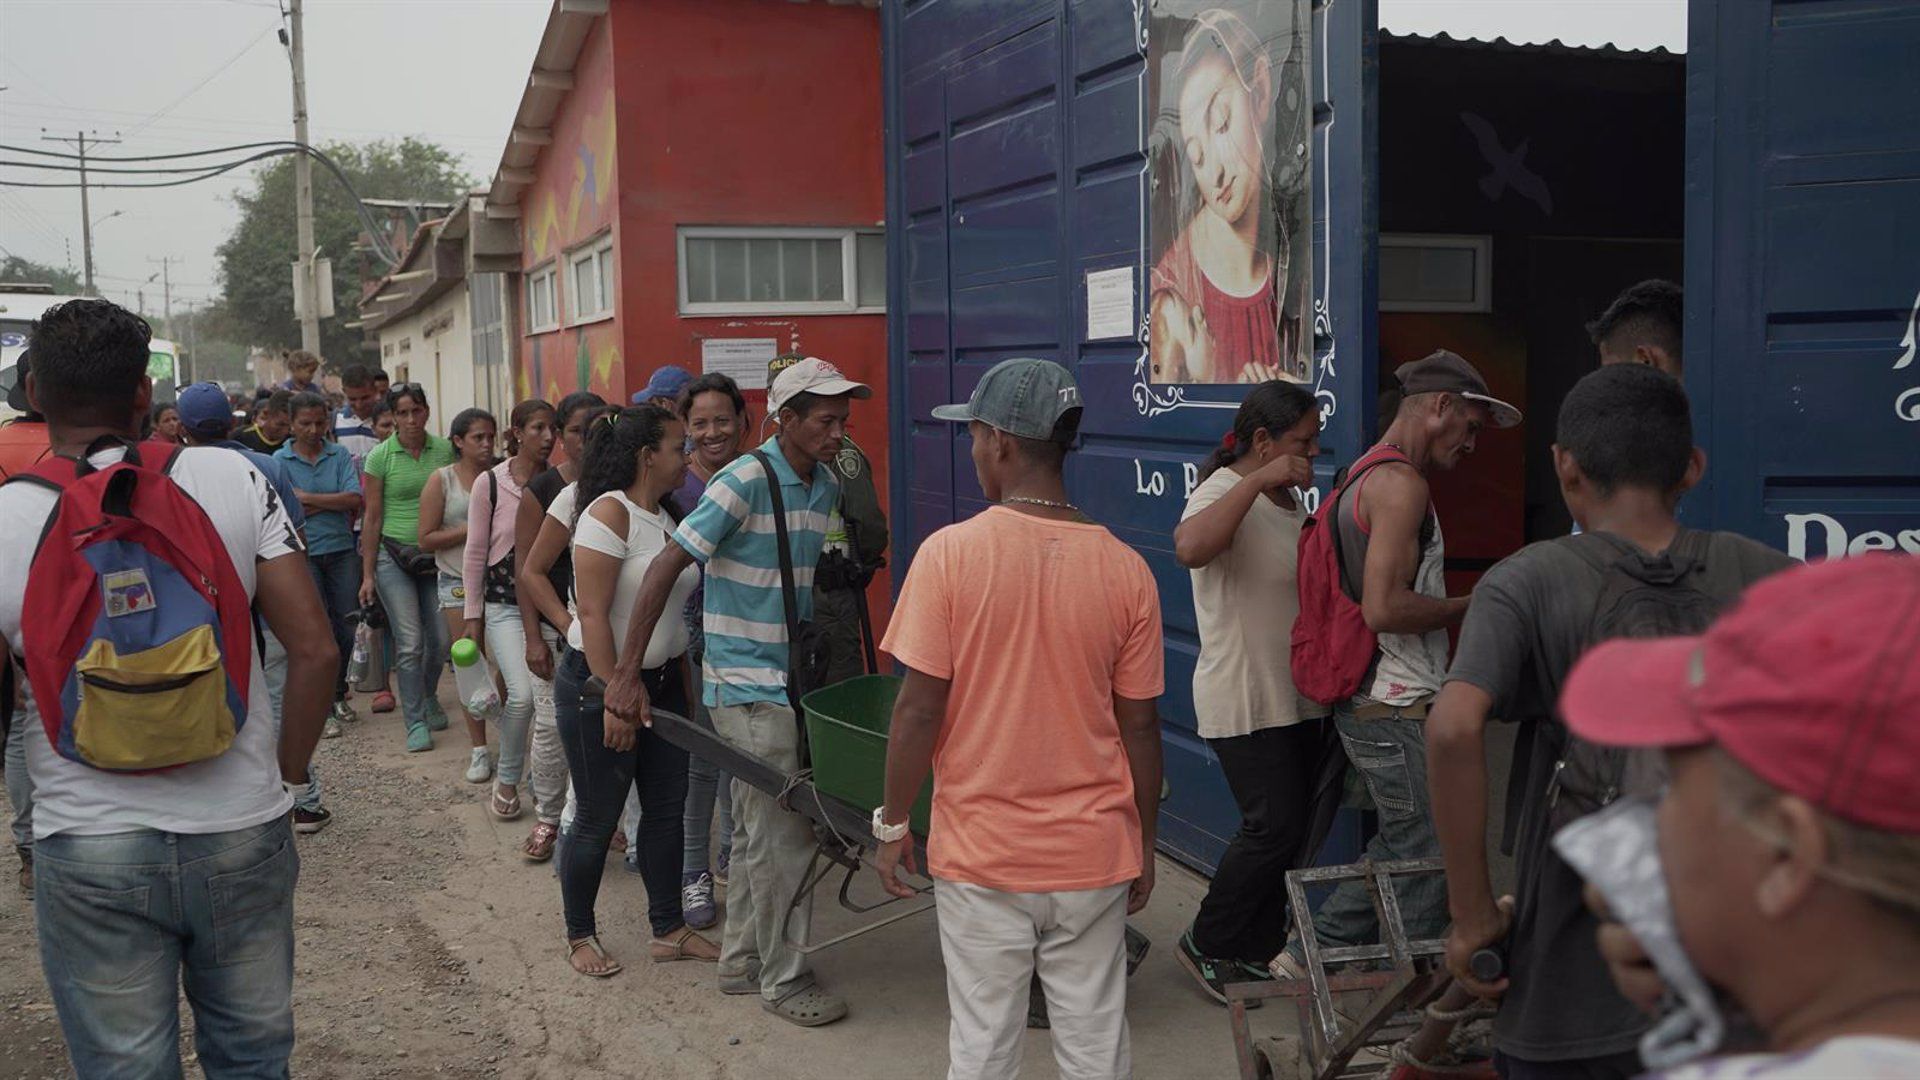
[1641, 596]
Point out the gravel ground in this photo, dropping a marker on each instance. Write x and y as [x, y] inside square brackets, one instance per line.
[426, 946]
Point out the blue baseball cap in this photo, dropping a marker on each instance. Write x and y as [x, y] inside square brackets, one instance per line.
[205, 410]
[667, 383]
[1026, 397]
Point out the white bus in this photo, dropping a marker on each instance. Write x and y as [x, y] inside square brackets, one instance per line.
[20, 305]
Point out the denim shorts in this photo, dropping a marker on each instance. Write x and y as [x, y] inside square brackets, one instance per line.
[453, 594]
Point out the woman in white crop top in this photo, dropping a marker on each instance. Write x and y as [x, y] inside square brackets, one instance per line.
[623, 517]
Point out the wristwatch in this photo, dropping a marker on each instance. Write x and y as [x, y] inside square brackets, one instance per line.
[884, 832]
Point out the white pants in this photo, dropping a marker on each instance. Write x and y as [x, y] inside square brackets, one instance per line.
[993, 942]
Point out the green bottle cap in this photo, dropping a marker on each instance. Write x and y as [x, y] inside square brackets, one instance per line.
[466, 653]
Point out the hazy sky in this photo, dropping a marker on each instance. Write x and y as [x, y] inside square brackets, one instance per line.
[173, 75]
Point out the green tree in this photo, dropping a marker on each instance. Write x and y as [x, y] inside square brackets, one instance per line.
[17, 270]
[256, 259]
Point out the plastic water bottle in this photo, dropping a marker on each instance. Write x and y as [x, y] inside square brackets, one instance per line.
[473, 679]
[361, 658]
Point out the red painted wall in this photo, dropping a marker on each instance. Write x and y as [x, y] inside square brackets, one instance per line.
[571, 201]
[747, 112]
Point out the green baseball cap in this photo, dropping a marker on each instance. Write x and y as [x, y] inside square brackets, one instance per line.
[1025, 397]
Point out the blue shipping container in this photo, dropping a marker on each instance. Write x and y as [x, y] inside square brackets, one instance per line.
[1017, 166]
[1803, 271]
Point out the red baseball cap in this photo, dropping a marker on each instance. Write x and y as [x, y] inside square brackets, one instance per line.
[1812, 682]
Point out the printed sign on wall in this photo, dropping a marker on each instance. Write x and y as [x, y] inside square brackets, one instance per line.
[1231, 291]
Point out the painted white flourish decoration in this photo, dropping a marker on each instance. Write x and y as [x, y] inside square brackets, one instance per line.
[1907, 405]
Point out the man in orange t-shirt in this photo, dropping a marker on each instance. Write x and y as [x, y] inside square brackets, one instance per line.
[1032, 641]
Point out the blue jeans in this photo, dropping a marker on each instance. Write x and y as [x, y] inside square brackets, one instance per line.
[1391, 757]
[507, 646]
[418, 633]
[126, 919]
[709, 790]
[337, 576]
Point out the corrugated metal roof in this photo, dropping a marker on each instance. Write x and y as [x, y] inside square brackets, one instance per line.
[1556, 47]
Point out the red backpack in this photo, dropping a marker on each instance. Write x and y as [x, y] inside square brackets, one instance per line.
[1332, 645]
[139, 646]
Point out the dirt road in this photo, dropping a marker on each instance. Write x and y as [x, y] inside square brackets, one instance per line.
[427, 947]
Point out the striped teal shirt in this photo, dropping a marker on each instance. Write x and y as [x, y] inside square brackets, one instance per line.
[731, 533]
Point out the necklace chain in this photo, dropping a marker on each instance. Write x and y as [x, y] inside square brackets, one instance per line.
[1039, 502]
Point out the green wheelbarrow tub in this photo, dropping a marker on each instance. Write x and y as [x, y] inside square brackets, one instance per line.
[847, 735]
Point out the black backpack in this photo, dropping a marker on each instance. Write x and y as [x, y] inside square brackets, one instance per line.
[1641, 596]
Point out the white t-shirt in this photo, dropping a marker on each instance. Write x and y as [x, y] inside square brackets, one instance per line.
[1245, 602]
[237, 790]
[648, 533]
[561, 508]
[1852, 1057]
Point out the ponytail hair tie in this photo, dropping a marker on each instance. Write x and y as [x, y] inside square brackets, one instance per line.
[1229, 441]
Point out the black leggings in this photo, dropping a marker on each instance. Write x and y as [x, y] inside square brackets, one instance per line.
[1271, 774]
[600, 781]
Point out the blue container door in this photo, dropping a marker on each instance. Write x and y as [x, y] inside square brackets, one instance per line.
[1803, 287]
[1018, 166]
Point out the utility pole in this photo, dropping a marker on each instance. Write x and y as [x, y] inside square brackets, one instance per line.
[166, 293]
[303, 185]
[79, 141]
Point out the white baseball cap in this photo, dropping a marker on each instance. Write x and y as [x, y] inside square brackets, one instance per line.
[812, 375]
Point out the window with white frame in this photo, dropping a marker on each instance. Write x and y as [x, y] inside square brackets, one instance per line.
[543, 299]
[1431, 272]
[782, 271]
[591, 283]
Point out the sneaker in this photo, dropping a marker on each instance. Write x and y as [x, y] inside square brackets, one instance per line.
[436, 717]
[1288, 966]
[1211, 973]
[311, 821]
[383, 702]
[343, 713]
[418, 738]
[696, 900]
[479, 765]
[721, 865]
[331, 730]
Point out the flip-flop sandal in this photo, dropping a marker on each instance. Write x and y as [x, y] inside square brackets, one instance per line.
[504, 809]
[809, 1008]
[539, 845]
[685, 945]
[594, 944]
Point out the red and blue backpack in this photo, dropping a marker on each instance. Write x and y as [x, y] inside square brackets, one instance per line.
[137, 630]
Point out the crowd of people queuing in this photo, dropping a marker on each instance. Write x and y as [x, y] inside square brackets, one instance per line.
[615, 563]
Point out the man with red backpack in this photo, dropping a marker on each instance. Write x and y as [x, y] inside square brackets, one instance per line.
[1391, 562]
[163, 851]
[1624, 454]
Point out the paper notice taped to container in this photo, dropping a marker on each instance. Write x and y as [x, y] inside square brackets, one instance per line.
[1110, 303]
[744, 360]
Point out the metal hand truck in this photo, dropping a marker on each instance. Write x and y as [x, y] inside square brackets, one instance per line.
[1329, 1044]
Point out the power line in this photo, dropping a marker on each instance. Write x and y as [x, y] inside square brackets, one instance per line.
[151, 157]
[210, 173]
[382, 249]
[196, 88]
[213, 121]
[34, 219]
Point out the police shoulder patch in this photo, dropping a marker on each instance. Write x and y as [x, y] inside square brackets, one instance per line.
[849, 462]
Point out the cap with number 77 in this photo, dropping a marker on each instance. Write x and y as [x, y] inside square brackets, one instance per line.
[1026, 397]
